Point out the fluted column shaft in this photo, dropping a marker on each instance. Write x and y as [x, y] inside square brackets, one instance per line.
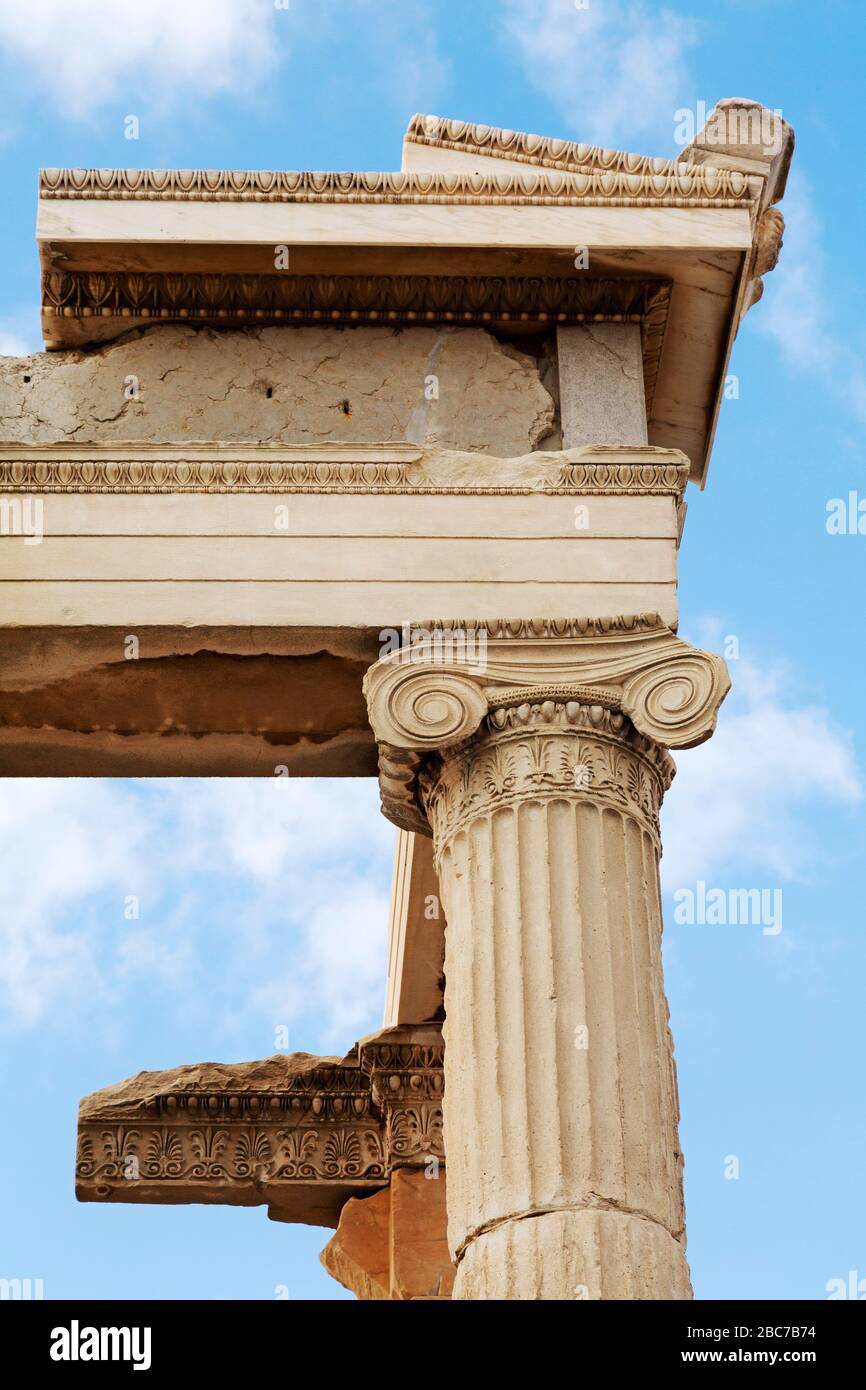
[565, 1173]
[540, 767]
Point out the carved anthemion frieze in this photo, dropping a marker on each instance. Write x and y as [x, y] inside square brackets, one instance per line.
[403, 469]
[299, 1133]
[545, 750]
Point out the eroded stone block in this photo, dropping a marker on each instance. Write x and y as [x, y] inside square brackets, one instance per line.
[449, 387]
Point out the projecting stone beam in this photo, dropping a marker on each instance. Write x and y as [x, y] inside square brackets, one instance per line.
[297, 1133]
[164, 627]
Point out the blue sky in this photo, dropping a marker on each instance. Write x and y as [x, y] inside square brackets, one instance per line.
[264, 904]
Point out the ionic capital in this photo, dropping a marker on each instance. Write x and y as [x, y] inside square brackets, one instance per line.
[436, 691]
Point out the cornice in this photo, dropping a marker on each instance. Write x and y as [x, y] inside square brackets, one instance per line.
[704, 228]
[539, 151]
[422, 701]
[674, 186]
[346, 469]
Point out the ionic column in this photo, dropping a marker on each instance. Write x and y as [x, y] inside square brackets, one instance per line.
[542, 795]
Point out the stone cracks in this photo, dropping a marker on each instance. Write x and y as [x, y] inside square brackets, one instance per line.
[284, 385]
[592, 1202]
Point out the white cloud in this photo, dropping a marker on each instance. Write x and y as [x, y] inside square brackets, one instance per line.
[63, 842]
[273, 828]
[316, 855]
[238, 882]
[614, 70]
[408, 61]
[748, 800]
[272, 895]
[85, 53]
[161, 54]
[19, 334]
[794, 309]
[340, 960]
[11, 345]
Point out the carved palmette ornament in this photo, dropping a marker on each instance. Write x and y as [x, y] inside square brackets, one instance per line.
[253, 1151]
[165, 1156]
[416, 1130]
[296, 1152]
[208, 1147]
